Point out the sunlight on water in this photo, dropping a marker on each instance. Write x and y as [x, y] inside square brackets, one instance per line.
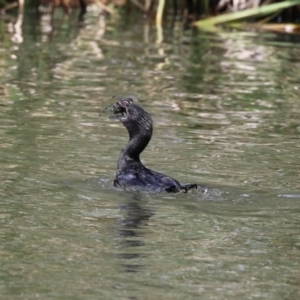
[226, 114]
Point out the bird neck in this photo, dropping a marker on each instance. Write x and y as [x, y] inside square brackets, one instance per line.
[139, 137]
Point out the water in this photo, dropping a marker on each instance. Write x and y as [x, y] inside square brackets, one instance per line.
[226, 112]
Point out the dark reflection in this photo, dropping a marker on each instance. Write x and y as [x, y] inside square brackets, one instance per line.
[131, 231]
[82, 11]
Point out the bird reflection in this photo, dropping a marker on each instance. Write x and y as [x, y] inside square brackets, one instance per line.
[131, 231]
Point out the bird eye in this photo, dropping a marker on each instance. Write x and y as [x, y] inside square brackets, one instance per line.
[128, 101]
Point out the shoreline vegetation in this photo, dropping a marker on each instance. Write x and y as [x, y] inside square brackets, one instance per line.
[206, 15]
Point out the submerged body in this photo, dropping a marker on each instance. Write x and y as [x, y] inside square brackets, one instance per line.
[130, 171]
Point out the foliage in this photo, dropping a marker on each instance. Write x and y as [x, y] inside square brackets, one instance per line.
[211, 22]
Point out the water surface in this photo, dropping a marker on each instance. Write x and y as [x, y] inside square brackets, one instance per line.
[226, 111]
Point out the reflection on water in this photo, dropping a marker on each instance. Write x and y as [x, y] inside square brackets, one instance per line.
[225, 109]
[131, 233]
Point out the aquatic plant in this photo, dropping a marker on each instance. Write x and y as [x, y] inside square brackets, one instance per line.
[204, 14]
[259, 11]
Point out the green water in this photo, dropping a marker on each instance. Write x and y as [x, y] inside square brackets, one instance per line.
[226, 111]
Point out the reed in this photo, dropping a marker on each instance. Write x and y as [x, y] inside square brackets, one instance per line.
[211, 22]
